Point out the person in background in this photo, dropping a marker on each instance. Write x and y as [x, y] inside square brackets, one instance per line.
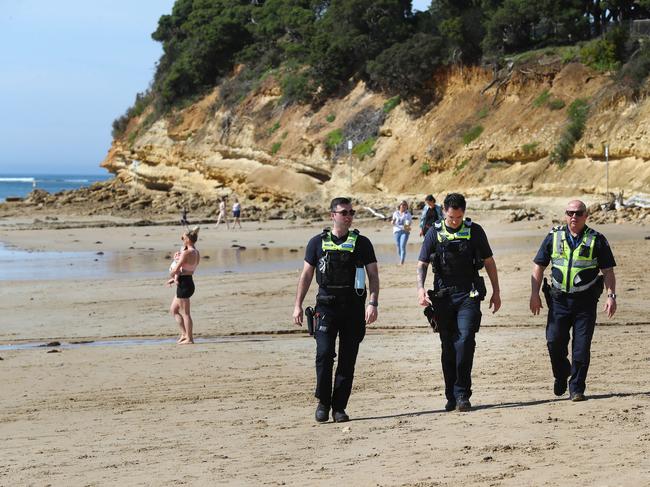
[401, 221]
[236, 213]
[222, 213]
[184, 221]
[431, 213]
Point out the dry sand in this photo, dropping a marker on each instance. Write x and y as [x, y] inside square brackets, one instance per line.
[239, 410]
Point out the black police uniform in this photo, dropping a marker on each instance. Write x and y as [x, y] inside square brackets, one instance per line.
[340, 309]
[577, 310]
[456, 283]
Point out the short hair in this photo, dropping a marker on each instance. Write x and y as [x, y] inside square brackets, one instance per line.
[339, 201]
[430, 197]
[193, 234]
[455, 201]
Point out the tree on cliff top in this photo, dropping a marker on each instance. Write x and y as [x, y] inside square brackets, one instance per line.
[321, 45]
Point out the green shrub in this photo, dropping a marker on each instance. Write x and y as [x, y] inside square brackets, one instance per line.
[365, 148]
[460, 166]
[483, 112]
[276, 147]
[330, 118]
[637, 69]
[529, 149]
[392, 103]
[407, 67]
[272, 129]
[472, 134]
[295, 87]
[142, 101]
[132, 136]
[556, 104]
[577, 114]
[569, 54]
[334, 139]
[542, 99]
[425, 168]
[606, 53]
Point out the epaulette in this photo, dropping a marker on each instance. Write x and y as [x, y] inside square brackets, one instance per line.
[557, 228]
[468, 222]
[438, 225]
[356, 231]
[325, 231]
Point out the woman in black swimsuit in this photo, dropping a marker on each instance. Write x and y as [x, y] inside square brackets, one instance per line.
[181, 275]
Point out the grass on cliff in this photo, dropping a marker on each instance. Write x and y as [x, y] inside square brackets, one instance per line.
[334, 139]
[472, 134]
[577, 114]
[391, 103]
[365, 148]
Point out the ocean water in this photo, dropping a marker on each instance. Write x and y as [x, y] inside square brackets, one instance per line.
[22, 185]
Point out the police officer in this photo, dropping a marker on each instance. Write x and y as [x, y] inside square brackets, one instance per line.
[577, 253]
[338, 256]
[457, 248]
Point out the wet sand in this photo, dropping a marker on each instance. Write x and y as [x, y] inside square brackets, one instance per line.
[239, 410]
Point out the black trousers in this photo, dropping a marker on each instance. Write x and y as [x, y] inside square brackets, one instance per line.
[568, 311]
[459, 320]
[345, 319]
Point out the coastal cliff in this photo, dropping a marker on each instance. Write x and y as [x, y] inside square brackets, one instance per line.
[486, 135]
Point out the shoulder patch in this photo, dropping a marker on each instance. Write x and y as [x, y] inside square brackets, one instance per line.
[438, 224]
[557, 228]
[468, 222]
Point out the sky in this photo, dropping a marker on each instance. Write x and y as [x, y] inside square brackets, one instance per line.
[68, 69]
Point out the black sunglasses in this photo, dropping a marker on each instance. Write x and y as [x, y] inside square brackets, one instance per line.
[574, 212]
[345, 212]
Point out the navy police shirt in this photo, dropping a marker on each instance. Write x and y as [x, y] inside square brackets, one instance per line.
[602, 250]
[363, 249]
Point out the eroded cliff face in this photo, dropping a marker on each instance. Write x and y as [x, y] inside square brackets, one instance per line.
[267, 153]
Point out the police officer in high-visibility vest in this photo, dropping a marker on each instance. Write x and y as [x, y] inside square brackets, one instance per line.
[340, 257]
[577, 254]
[457, 249]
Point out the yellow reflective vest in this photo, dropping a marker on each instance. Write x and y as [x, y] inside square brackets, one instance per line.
[573, 262]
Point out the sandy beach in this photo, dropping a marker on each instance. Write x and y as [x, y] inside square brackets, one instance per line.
[132, 408]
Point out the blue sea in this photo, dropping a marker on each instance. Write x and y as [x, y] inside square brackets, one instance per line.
[21, 185]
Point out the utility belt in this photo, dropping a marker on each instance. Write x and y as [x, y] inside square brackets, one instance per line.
[436, 310]
[315, 319]
[593, 292]
[476, 288]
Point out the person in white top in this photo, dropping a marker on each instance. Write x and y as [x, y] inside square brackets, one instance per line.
[222, 213]
[402, 219]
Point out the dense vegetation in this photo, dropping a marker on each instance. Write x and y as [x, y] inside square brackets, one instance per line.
[316, 48]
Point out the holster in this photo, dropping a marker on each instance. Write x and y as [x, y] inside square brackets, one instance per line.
[479, 286]
[431, 312]
[309, 314]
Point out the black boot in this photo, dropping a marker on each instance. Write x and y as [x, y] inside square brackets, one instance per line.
[322, 413]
